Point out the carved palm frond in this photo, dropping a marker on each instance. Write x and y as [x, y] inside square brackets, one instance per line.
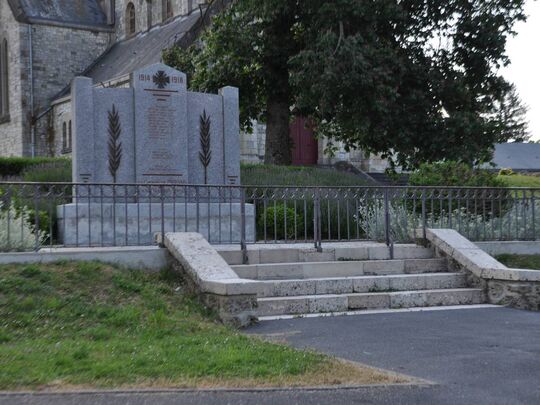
[115, 146]
[205, 155]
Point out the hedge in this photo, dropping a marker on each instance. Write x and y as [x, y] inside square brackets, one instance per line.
[15, 166]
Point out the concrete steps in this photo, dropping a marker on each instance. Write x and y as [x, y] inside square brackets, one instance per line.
[305, 304]
[362, 284]
[353, 268]
[335, 251]
[296, 280]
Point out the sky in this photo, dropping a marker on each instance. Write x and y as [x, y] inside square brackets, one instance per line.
[524, 71]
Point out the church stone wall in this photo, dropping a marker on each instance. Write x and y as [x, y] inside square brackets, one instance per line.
[252, 144]
[11, 140]
[59, 54]
[60, 115]
[179, 7]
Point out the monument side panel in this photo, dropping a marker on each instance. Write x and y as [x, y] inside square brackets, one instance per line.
[82, 106]
[114, 137]
[161, 137]
[206, 165]
[231, 125]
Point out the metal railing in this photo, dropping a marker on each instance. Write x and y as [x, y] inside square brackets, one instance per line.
[36, 215]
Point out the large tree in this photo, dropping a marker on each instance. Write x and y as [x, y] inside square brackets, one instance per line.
[416, 80]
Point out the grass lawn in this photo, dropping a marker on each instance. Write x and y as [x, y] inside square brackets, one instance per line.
[263, 175]
[521, 180]
[520, 261]
[87, 324]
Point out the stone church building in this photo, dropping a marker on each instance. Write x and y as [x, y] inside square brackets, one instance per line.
[44, 44]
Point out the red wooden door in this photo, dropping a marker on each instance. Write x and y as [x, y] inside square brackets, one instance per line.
[305, 147]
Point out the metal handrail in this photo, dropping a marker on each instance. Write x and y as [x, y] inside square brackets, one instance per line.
[257, 214]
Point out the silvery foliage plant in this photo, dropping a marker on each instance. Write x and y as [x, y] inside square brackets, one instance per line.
[16, 231]
[520, 222]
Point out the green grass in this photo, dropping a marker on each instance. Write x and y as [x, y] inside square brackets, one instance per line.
[521, 180]
[262, 175]
[520, 261]
[92, 325]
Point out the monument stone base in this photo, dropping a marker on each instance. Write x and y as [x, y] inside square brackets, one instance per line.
[132, 224]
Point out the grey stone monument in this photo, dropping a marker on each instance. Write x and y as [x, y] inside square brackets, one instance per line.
[139, 151]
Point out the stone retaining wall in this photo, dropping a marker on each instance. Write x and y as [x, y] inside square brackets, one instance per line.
[209, 276]
[518, 288]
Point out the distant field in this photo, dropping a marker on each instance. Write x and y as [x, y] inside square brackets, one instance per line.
[521, 180]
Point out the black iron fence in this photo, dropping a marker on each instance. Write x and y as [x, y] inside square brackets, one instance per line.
[36, 215]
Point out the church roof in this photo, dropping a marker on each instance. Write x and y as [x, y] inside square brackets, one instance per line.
[73, 13]
[146, 48]
[517, 156]
[142, 50]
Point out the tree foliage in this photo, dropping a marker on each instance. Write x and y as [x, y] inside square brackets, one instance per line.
[453, 174]
[415, 80]
[512, 114]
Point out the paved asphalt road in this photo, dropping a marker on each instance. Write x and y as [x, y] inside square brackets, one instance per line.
[477, 356]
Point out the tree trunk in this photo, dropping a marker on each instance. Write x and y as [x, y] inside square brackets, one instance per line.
[278, 141]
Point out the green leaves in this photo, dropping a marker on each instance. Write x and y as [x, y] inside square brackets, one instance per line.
[414, 80]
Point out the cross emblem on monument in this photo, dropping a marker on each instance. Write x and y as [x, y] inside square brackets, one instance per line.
[161, 79]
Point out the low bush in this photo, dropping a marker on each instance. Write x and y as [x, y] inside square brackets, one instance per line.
[518, 223]
[280, 223]
[334, 217]
[59, 172]
[477, 192]
[38, 203]
[453, 174]
[16, 230]
[15, 166]
[506, 172]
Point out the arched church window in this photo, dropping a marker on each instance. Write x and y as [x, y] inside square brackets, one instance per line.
[70, 136]
[4, 79]
[149, 13]
[64, 137]
[131, 21]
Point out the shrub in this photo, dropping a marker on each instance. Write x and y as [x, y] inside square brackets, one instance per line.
[39, 170]
[15, 166]
[60, 172]
[516, 224]
[279, 225]
[494, 200]
[333, 225]
[16, 231]
[38, 204]
[371, 219]
[506, 172]
[453, 174]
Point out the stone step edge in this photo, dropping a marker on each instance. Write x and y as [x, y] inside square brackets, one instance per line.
[364, 277]
[424, 259]
[376, 311]
[376, 294]
[360, 284]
